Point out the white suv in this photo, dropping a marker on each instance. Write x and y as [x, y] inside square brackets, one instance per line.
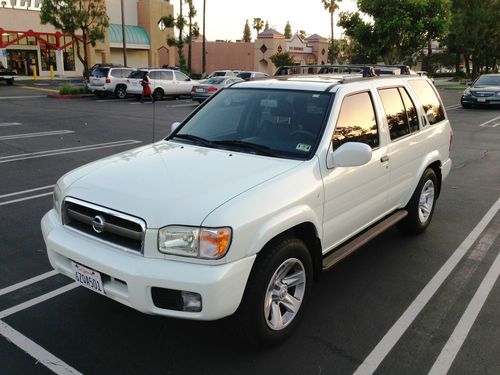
[109, 80]
[252, 197]
[162, 81]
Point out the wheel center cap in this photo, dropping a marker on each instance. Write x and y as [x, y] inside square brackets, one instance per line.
[282, 292]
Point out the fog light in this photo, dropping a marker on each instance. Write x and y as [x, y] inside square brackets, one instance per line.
[191, 301]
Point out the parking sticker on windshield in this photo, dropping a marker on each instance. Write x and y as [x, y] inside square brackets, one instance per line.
[303, 147]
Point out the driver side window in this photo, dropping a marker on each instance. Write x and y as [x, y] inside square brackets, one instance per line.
[356, 122]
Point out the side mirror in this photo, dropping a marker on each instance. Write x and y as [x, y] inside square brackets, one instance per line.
[174, 126]
[350, 154]
[430, 116]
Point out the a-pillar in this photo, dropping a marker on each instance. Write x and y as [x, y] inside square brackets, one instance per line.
[60, 63]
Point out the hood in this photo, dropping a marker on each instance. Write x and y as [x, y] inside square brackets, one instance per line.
[170, 183]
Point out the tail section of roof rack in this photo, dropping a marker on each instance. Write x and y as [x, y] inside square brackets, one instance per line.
[366, 70]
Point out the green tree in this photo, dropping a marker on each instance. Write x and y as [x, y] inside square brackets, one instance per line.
[282, 59]
[258, 24]
[179, 22]
[302, 34]
[436, 20]
[288, 30]
[247, 33]
[331, 6]
[85, 20]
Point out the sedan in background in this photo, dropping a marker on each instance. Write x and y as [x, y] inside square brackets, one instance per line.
[247, 76]
[201, 92]
[484, 91]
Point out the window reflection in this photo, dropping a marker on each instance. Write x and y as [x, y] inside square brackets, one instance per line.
[356, 122]
[395, 112]
[429, 99]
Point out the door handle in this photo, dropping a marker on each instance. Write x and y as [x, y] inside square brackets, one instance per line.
[384, 159]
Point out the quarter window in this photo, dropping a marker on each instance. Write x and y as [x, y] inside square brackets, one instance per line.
[429, 99]
[356, 122]
[411, 112]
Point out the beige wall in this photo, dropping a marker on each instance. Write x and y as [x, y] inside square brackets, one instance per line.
[221, 55]
[262, 60]
[114, 10]
[135, 58]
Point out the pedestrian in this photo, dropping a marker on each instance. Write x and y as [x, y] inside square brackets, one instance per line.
[146, 88]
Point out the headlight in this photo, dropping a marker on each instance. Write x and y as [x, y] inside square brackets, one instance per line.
[467, 92]
[56, 199]
[207, 243]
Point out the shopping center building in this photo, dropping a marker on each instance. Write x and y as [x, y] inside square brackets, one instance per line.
[26, 43]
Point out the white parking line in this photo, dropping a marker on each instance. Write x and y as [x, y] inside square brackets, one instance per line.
[22, 97]
[457, 338]
[487, 122]
[25, 199]
[62, 151]
[454, 106]
[2, 124]
[26, 191]
[377, 355]
[32, 135]
[24, 283]
[36, 351]
[37, 300]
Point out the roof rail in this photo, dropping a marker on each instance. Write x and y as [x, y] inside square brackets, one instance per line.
[367, 70]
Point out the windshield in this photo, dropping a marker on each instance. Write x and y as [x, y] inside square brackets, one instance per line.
[281, 123]
[215, 80]
[488, 81]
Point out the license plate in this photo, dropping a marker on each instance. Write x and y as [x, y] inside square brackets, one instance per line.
[200, 90]
[481, 100]
[88, 278]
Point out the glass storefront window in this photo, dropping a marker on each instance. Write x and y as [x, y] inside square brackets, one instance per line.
[69, 58]
[47, 57]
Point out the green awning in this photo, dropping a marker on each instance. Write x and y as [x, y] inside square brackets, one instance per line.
[134, 35]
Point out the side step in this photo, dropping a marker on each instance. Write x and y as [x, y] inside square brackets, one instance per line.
[348, 248]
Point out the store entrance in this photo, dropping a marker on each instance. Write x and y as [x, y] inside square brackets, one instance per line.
[22, 61]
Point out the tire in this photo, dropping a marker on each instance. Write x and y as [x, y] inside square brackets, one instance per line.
[421, 205]
[465, 105]
[265, 314]
[99, 94]
[10, 82]
[121, 91]
[157, 94]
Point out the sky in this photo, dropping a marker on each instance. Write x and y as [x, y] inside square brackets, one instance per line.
[225, 19]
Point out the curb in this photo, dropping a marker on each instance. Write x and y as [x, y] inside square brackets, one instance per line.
[79, 96]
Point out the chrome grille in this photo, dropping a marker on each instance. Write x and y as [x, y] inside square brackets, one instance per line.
[104, 224]
[482, 94]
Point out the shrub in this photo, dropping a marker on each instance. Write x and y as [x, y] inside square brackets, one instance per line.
[73, 90]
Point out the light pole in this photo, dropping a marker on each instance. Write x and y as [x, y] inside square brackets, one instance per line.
[123, 36]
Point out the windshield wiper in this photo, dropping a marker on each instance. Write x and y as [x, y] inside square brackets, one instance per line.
[195, 138]
[259, 149]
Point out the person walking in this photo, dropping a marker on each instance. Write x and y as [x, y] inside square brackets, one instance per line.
[146, 88]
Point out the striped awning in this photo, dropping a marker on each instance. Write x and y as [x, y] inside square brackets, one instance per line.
[135, 36]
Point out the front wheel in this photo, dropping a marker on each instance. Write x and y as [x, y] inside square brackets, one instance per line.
[157, 95]
[421, 205]
[276, 292]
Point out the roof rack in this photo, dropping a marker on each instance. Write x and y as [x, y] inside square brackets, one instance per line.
[366, 70]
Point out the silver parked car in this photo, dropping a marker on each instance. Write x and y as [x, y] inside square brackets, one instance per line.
[205, 90]
[247, 76]
[109, 80]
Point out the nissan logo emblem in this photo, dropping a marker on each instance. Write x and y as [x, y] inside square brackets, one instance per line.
[98, 224]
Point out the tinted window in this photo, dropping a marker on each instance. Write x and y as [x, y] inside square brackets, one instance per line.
[429, 99]
[356, 122]
[488, 81]
[181, 76]
[117, 73]
[395, 112]
[138, 74]
[166, 76]
[411, 111]
[155, 74]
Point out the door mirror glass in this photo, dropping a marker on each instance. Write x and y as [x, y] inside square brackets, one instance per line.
[350, 154]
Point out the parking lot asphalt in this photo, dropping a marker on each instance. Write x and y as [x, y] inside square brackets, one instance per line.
[400, 305]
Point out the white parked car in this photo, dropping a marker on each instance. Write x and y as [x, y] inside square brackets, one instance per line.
[109, 80]
[252, 196]
[164, 82]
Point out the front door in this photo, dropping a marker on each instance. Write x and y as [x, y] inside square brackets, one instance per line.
[22, 61]
[355, 196]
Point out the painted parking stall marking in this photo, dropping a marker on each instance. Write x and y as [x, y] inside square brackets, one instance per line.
[42, 191]
[5, 124]
[25, 283]
[493, 123]
[62, 151]
[32, 135]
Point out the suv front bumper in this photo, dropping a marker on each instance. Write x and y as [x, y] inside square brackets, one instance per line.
[129, 278]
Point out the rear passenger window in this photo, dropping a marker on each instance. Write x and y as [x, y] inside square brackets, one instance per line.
[356, 122]
[154, 75]
[117, 73]
[166, 76]
[411, 111]
[429, 99]
[395, 112]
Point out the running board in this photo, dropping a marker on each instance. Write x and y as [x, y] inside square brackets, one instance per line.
[350, 247]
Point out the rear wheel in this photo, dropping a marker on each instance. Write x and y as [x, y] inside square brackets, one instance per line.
[121, 91]
[276, 292]
[421, 205]
[157, 94]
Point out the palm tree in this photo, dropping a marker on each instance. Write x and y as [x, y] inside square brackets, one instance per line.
[258, 24]
[331, 6]
[203, 58]
[191, 15]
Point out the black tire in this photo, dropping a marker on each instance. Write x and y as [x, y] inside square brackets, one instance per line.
[99, 94]
[121, 91]
[157, 95]
[251, 315]
[465, 105]
[10, 82]
[419, 217]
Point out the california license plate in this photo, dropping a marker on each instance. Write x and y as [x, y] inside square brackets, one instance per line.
[88, 278]
[200, 90]
[481, 100]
